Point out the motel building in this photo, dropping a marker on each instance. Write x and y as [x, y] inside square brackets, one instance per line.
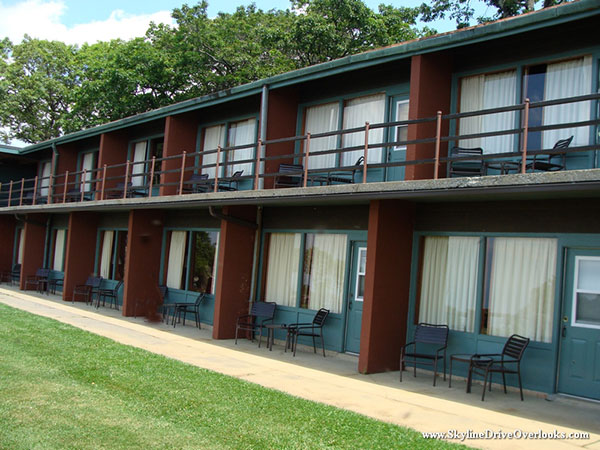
[344, 186]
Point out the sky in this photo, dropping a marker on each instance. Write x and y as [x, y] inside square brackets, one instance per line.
[79, 21]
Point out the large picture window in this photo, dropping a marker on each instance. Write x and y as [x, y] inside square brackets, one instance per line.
[305, 270]
[191, 260]
[113, 249]
[88, 163]
[58, 249]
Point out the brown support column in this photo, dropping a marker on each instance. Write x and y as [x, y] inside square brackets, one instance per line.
[281, 123]
[34, 239]
[80, 252]
[67, 161]
[236, 248]
[180, 136]
[113, 150]
[387, 283]
[142, 263]
[7, 242]
[430, 92]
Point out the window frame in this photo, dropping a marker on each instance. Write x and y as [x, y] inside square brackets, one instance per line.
[149, 140]
[114, 251]
[52, 249]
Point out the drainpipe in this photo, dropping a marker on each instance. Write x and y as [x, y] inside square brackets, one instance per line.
[46, 243]
[264, 113]
[54, 160]
[257, 242]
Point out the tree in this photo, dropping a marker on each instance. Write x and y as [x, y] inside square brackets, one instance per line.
[462, 11]
[38, 79]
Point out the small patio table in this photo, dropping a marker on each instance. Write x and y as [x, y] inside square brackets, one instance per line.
[463, 357]
[271, 327]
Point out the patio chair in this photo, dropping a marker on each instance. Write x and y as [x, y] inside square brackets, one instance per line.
[181, 309]
[197, 183]
[509, 361]
[39, 281]
[466, 167]
[553, 162]
[8, 276]
[426, 334]
[346, 176]
[313, 329]
[87, 290]
[231, 183]
[112, 294]
[289, 175]
[261, 313]
[119, 190]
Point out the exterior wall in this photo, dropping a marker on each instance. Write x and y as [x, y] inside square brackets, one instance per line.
[7, 242]
[80, 250]
[234, 271]
[180, 136]
[140, 294]
[387, 284]
[66, 161]
[113, 150]
[33, 245]
[430, 92]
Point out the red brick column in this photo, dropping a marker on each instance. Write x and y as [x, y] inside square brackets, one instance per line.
[34, 239]
[234, 271]
[387, 283]
[7, 242]
[80, 251]
[430, 92]
[142, 263]
[113, 150]
[180, 135]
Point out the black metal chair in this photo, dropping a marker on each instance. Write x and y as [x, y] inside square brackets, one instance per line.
[465, 167]
[313, 329]
[346, 176]
[87, 290]
[16, 274]
[230, 183]
[487, 364]
[39, 281]
[182, 308]
[553, 162]
[260, 314]
[8, 276]
[289, 175]
[197, 183]
[112, 294]
[426, 334]
[120, 190]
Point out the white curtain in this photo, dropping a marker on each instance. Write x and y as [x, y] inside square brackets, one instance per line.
[176, 256]
[356, 112]
[213, 287]
[45, 178]
[213, 137]
[241, 133]
[21, 246]
[449, 281]
[282, 268]
[137, 171]
[522, 285]
[59, 250]
[106, 255]
[87, 164]
[567, 79]
[321, 119]
[325, 280]
[485, 92]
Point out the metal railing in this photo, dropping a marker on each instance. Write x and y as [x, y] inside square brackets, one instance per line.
[151, 177]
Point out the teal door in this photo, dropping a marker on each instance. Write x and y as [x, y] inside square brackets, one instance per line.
[397, 153]
[356, 292]
[579, 370]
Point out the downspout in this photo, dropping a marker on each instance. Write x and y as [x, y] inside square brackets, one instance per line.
[53, 172]
[257, 243]
[46, 243]
[264, 113]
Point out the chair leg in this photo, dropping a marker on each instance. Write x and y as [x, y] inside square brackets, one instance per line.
[444, 358]
[295, 345]
[434, 370]
[236, 333]
[401, 363]
[520, 385]
[259, 336]
[504, 381]
[415, 366]
[323, 343]
[485, 380]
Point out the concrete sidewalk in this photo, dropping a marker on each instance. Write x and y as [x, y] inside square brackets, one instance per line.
[334, 380]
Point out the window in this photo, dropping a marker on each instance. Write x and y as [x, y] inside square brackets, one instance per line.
[88, 163]
[144, 151]
[484, 92]
[191, 260]
[113, 250]
[554, 81]
[401, 133]
[19, 245]
[361, 273]
[58, 250]
[355, 112]
[518, 293]
[213, 137]
[586, 307]
[305, 270]
[45, 171]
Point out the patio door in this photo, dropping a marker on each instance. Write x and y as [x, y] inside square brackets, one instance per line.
[579, 367]
[356, 292]
[397, 153]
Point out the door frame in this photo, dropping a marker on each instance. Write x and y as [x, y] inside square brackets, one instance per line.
[351, 288]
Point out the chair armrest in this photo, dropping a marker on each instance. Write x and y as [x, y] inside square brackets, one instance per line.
[244, 317]
[409, 344]
[441, 348]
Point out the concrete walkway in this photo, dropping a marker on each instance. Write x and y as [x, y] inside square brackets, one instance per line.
[334, 380]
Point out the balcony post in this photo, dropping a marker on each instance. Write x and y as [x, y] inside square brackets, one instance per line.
[366, 152]
[22, 186]
[50, 189]
[438, 137]
[103, 182]
[82, 184]
[10, 188]
[306, 153]
[151, 176]
[216, 187]
[35, 185]
[182, 173]
[66, 186]
[525, 134]
[257, 164]
[126, 177]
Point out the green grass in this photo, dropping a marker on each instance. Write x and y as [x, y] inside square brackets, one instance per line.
[61, 387]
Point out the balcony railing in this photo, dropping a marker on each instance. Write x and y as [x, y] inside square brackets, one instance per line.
[170, 175]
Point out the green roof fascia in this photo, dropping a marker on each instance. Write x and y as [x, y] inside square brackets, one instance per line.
[505, 27]
[11, 150]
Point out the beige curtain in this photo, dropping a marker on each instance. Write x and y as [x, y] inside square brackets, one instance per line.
[213, 287]
[370, 108]
[321, 119]
[176, 256]
[137, 171]
[282, 268]
[522, 286]
[106, 255]
[213, 137]
[87, 164]
[21, 246]
[241, 133]
[59, 250]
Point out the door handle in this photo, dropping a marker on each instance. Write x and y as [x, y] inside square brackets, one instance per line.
[564, 331]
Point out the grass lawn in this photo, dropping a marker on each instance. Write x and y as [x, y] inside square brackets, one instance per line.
[61, 387]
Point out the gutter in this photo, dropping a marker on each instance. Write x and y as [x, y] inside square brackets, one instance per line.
[232, 219]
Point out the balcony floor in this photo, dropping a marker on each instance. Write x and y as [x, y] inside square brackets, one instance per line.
[334, 380]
